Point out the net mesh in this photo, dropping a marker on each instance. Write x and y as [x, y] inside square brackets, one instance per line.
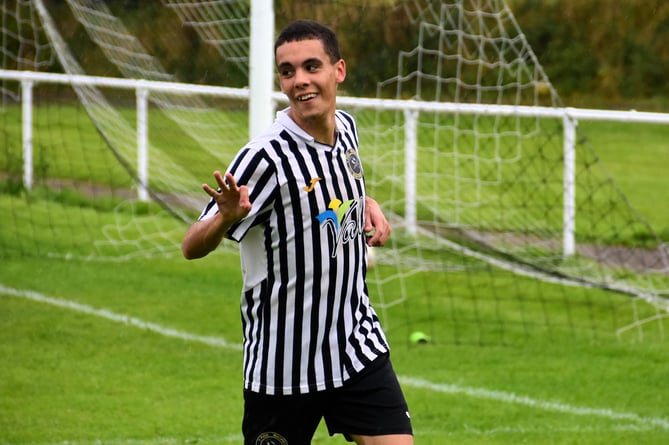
[482, 219]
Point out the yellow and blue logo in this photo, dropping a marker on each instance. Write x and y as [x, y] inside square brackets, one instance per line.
[342, 221]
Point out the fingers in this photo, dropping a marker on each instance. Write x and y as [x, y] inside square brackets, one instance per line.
[228, 183]
[224, 185]
[219, 180]
[379, 235]
[377, 227]
[232, 200]
[244, 201]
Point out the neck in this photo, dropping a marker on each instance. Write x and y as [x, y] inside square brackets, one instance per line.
[322, 129]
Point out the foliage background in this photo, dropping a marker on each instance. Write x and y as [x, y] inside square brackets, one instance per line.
[597, 53]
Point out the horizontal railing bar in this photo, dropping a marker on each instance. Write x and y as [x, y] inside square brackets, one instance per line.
[383, 104]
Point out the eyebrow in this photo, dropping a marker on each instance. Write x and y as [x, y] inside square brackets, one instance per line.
[308, 61]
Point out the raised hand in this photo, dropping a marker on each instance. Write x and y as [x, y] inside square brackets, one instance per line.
[233, 201]
[233, 204]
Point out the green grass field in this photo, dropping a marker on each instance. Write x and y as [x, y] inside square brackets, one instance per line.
[117, 353]
[146, 351]
[635, 156]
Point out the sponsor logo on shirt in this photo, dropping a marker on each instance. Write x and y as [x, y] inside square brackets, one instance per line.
[342, 221]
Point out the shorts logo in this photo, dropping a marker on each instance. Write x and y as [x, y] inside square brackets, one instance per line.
[270, 438]
[353, 163]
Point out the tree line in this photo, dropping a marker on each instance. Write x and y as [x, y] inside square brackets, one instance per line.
[613, 52]
[609, 53]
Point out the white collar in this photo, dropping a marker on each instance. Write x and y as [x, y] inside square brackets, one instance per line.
[283, 118]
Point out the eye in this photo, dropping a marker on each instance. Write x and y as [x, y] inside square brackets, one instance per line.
[312, 67]
[286, 72]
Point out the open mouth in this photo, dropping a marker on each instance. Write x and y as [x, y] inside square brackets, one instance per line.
[306, 97]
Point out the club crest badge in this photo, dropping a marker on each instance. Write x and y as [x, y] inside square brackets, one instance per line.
[353, 163]
[271, 439]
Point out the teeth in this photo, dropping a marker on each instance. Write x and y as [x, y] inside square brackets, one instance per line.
[306, 97]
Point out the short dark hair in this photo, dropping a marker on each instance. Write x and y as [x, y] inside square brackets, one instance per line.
[307, 30]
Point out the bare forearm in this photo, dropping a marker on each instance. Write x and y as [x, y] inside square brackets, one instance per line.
[203, 237]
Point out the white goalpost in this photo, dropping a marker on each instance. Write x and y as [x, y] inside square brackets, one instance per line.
[468, 150]
[261, 57]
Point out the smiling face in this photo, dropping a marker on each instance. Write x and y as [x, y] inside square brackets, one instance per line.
[309, 79]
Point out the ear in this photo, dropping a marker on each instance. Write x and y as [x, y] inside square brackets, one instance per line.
[340, 71]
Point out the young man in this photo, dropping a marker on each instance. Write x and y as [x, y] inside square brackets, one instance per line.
[294, 198]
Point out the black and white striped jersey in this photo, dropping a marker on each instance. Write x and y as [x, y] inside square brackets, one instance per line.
[307, 320]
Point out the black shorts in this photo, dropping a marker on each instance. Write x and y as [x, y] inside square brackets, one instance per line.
[370, 404]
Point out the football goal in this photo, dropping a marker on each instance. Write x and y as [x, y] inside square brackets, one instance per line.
[494, 198]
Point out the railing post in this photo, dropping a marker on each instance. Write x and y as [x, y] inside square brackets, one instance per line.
[569, 212]
[410, 160]
[27, 131]
[142, 143]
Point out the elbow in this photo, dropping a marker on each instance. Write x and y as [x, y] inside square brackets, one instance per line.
[199, 241]
[187, 254]
[189, 249]
[193, 251]
[185, 251]
[190, 244]
[190, 253]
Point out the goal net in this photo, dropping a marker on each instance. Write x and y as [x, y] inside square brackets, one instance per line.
[475, 191]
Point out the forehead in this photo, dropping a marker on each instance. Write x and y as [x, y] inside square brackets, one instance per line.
[298, 51]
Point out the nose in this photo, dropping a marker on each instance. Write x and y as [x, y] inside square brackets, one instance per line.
[301, 77]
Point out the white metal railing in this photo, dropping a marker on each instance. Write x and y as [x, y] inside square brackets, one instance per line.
[411, 108]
